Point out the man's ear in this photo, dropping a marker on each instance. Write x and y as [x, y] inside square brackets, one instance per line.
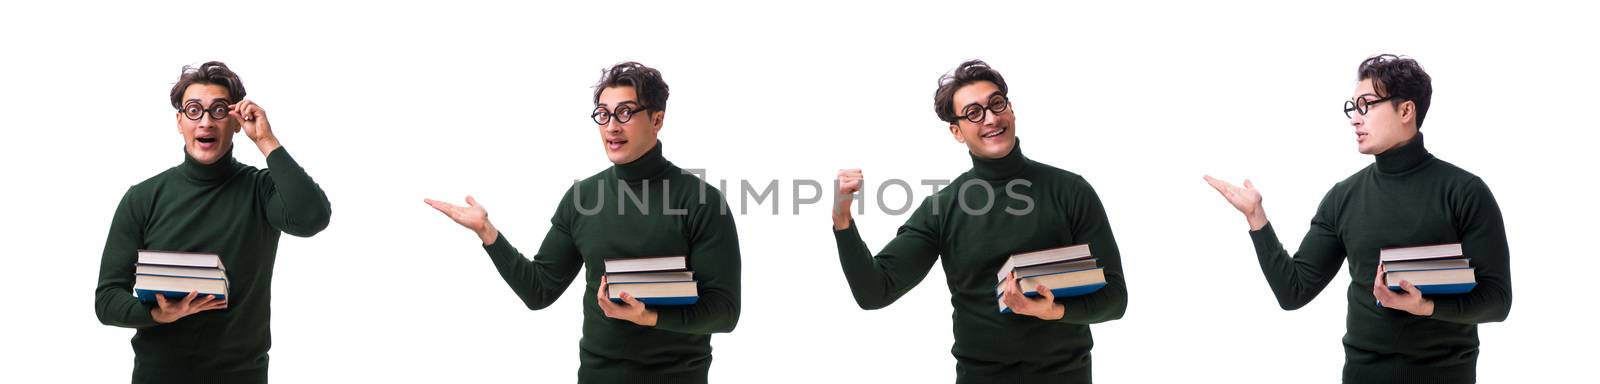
[955, 131]
[657, 117]
[177, 118]
[1408, 112]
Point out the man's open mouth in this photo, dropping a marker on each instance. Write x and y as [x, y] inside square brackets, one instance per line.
[995, 133]
[615, 143]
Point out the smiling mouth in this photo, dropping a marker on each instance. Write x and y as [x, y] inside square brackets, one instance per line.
[995, 133]
[615, 143]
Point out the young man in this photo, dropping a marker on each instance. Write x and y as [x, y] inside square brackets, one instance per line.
[1006, 204]
[1405, 198]
[210, 203]
[642, 206]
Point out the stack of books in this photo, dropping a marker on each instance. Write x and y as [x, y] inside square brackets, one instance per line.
[1066, 271]
[652, 280]
[175, 274]
[1433, 269]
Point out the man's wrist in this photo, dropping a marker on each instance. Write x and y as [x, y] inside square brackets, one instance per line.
[268, 144]
[489, 234]
[649, 318]
[1257, 219]
[1057, 311]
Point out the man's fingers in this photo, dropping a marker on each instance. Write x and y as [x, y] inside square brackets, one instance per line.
[443, 207]
[1410, 288]
[188, 298]
[1382, 280]
[628, 298]
[1219, 185]
[1010, 298]
[1045, 291]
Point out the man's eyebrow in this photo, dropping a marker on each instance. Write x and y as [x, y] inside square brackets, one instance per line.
[620, 104]
[990, 97]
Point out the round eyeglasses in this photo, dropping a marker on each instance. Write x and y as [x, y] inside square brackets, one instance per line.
[194, 111]
[602, 116]
[1361, 106]
[974, 112]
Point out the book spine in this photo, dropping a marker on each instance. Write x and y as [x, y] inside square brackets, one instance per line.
[677, 300]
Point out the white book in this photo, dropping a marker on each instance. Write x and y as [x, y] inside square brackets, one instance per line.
[1426, 265]
[1052, 255]
[167, 270]
[649, 277]
[646, 264]
[1420, 253]
[181, 259]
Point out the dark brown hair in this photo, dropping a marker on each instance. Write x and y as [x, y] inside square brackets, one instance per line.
[646, 83]
[1401, 78]
[212, 72]
[969, 72]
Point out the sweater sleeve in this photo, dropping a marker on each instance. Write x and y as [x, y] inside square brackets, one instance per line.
[1298, 279]
[540, 281]
[1089, 222]
[877, 281]
[1483, 239]
[714, 258]
[294, 203]
[114, 303]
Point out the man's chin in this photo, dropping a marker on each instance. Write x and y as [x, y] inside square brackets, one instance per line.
[206, 156]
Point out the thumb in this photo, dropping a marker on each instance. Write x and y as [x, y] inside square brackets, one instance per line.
[1410, 288]
[471, 202]
[1248, 184]
[630, 300]
[1045, 292]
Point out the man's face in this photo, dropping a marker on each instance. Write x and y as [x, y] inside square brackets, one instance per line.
[994, 135]
[626, 142]
[209, 138]
[1386, 125]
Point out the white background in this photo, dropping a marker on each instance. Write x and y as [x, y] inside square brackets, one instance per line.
[385, 104]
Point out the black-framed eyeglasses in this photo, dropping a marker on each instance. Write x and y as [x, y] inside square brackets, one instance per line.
[194, 110]
[624, 112]
[1361, 106]
[974, 112]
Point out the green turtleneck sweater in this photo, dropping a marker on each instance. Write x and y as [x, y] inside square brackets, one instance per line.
[1406, 198]
[645, 208]
[227, 208]
[992, 347]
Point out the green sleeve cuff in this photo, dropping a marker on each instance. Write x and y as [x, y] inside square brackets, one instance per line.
[501, 248]
[1265, 240]
[279, 158]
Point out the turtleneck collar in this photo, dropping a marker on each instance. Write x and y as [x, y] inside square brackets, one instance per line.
[1404, 157]
[220, 170]
[1002, 168]
[648, 166]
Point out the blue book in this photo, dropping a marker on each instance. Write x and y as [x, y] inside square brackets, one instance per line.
[656, 293]
[149, 296]
[1435, 281]
[675, 300]
[1064, 284]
